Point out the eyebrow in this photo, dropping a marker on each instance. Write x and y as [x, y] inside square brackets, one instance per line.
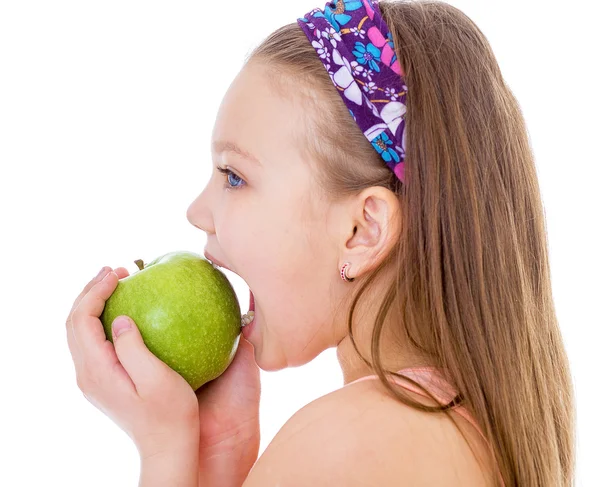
[228, 146]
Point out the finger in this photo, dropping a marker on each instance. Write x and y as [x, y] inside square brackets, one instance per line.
[122, 272]
[240, 380]
[89, 286]
[73, 347]
[87, 328]
[93, 354]
[71, 339]
[144, 368]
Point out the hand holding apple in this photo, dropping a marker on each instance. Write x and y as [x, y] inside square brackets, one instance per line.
[186, 311]
[228, 407]
[151, 402]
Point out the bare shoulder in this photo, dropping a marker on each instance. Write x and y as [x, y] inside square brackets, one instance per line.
[360, 435]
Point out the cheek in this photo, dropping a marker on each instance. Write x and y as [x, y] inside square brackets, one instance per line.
[235, 239]
[228, 223]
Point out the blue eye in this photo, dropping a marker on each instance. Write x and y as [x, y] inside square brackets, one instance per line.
[230, 174]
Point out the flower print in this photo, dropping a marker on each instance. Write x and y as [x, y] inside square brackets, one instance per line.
[368, 54]
[357, 69]
[313, 14]
[344, 79]
[371, 4]
[403, 144]
[367, 73]
[370, 87]
[391, 92]
[321, 49]
[381, 143]
[390, 40]
[331, 35]
[358, 32]
[310, 25]
[372, 107]
[394, 59]
[328, 68]
[352, 113]
[392, 114]
[404, 138]
[336, 15]
[387, 53]
[369, 8]
[399, 171]
[401, 151]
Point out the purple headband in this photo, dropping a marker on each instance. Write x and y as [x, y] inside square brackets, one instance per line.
[367, 74]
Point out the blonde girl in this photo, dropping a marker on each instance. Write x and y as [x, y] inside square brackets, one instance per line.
[374, 185]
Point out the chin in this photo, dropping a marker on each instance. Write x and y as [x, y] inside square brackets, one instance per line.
[270, 368]
[278, 362]
[270, 365]
[270, 362]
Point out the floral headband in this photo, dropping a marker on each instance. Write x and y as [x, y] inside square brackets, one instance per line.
[365, 71]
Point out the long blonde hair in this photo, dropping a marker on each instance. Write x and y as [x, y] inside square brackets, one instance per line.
[473, 289]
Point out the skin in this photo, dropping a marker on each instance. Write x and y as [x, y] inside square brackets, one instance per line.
[287, 242]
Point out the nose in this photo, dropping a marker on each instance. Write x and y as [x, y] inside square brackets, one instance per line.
[199, 214]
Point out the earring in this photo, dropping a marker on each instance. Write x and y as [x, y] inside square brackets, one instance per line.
[343, 273]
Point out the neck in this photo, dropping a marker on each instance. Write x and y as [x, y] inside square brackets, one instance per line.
[392, 359]
[396, 353]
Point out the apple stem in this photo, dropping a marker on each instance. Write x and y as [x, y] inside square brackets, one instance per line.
[140, 264]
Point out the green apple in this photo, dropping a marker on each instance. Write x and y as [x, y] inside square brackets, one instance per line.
[186, 310]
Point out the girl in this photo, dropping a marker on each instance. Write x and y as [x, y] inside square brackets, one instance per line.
[374, 185]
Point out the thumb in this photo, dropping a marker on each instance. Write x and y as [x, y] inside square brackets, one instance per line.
[138, 361]
[240, 382]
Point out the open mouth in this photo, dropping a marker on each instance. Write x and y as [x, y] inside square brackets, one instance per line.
[249, 316]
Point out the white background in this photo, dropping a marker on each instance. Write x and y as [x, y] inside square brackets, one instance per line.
[106, 113]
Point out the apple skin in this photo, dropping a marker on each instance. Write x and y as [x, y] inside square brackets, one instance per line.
[187, 312]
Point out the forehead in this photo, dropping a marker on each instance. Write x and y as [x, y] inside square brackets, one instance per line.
[256, 117]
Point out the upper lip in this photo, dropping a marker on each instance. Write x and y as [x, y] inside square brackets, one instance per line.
[215, 261]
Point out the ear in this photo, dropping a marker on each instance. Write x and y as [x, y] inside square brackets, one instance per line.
[372, 230]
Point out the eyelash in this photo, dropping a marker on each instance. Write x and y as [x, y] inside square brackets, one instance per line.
[227, 173]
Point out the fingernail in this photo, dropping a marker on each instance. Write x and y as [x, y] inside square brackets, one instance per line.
[105, 278]
[101, 272]
[120, 325]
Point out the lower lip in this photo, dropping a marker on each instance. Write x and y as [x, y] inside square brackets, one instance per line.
[246, 330]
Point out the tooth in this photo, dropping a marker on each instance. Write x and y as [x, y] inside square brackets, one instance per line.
[247, 318]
